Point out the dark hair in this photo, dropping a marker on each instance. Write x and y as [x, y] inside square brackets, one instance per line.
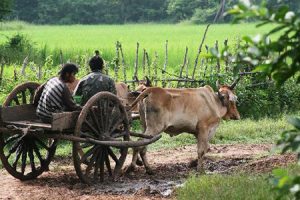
[68, 68]
[96, 62]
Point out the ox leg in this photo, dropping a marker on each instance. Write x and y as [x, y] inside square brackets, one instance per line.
[202, 145]
[145, 161]
[133, 163]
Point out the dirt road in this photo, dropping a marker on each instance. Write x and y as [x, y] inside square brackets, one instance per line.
[172, 167]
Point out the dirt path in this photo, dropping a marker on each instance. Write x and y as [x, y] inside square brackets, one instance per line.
[171, 167]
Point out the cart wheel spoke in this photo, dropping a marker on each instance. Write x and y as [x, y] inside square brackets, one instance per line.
[24, 101]
[91, 127]
[97, 164]
[37, 152]
[88, 154]
[16, 100]
[31, 158]
[112, 155]
[102, 167]
[107, 162]
[102, 115]
[88, 135]
[91, 164]
[21, 91]
[19, 150]
[42, 143]
[18, 155]
[24, 157]
[95, 119]
[11, 139]
[115, 125]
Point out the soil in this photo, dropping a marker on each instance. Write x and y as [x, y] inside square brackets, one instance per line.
[171, 168]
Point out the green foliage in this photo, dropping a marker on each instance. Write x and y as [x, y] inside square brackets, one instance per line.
[286, 184]
[16, 48]
[226, 187]
[279, 59]
[235, 186]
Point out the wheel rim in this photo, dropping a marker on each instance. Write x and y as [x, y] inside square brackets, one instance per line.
[27, 149]
[26, 157]
[102, 118]
[22, 94]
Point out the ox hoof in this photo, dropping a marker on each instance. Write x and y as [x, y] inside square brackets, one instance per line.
[149, 171]
[193, 163]
[130, 169]
[139, 162]
[201, 170]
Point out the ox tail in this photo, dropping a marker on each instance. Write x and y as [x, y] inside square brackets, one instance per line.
[143, 95]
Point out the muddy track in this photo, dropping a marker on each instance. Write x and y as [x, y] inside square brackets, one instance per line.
[172, 167]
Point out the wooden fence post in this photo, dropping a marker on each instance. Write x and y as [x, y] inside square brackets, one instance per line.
[165, 66]
[200, 47]
[39, 72]
[148, 65]
[187, 72]
[2, 71]
[218, 67]
[25, 63]
[144, 62]
[206, 63]
[155, 68]
[136, 63]
[226, 59]
[61, 58]
[123, 63]
[15, 74]
[183, 65]
[117, 58]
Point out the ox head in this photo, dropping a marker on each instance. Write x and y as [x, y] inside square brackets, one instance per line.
[143, 84]
[229, 99]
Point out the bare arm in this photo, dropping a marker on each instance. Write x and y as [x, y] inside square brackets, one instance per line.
[68, 100]
[38, 94]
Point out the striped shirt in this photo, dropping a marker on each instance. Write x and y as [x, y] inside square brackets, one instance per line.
[51, 100]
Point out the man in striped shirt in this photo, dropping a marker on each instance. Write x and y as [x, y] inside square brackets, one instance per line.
[54, 96]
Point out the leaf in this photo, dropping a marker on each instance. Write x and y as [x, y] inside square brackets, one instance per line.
[279, 172]
[295, 122]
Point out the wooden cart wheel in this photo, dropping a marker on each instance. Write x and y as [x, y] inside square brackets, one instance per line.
[102, 118]
[22, 94]
[17, 151]
[26, 157]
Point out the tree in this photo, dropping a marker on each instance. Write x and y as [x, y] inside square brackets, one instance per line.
[5, 8]
[278, 58]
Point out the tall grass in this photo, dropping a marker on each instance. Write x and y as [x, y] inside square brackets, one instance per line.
[82, 39]
[14, 25]
[229, 187]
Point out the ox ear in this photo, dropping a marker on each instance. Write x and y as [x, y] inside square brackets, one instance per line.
[148, 82]
[234, 83]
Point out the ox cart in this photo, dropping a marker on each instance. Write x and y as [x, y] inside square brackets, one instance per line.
[100, 134]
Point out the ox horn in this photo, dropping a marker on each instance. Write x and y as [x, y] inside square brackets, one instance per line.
[148, 82]
[135, 78]
[234, 83]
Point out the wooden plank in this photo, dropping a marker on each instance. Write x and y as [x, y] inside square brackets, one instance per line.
[64, 120]
[32, 124]
[18, 113]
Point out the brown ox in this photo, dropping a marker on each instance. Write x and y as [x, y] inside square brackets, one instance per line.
[174, 111]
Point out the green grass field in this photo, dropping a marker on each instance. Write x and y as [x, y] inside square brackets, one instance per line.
[81, 39]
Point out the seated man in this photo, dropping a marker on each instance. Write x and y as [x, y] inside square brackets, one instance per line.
[95, 81]
[54, 96]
